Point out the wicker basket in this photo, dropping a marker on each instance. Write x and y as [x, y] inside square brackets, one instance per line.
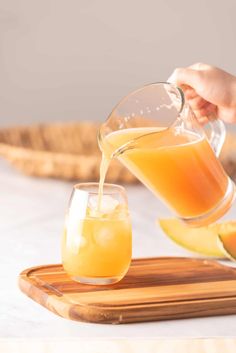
[65, 151]
[70, 151]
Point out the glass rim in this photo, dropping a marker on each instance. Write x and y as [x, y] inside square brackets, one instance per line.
[114, 188]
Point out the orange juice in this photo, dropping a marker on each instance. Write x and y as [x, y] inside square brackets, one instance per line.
[98, 246]
[182, 169]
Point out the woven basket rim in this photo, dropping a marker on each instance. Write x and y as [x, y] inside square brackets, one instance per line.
[22, 128]
[51, 124]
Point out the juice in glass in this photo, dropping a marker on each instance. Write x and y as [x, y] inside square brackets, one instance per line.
[97, 244]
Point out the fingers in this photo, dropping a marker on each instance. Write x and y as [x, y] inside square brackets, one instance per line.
[189, 92]
[201, 108]
[203, 120]
[204, 112]
[197, 102]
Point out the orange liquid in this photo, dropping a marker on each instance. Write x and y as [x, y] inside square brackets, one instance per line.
[97, 247]
[181, 169]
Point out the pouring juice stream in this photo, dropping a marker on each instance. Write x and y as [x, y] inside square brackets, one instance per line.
[110, 149]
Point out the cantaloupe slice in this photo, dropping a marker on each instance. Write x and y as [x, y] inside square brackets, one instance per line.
[227, 242]
[202, 240]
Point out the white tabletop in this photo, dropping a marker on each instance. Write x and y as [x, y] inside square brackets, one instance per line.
[31, 221]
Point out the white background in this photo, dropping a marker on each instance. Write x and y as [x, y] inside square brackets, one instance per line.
[74, 59]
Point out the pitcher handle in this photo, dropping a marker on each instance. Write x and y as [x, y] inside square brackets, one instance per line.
[217, 134]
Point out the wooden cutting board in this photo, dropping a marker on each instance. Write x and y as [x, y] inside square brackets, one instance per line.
[154, 289]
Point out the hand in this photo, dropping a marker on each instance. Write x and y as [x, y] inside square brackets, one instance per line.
[209, 90]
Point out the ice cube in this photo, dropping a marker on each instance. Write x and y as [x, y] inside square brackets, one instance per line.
[104, 237]
[108, 204]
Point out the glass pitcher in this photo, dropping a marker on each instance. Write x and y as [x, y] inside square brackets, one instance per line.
[156, 135]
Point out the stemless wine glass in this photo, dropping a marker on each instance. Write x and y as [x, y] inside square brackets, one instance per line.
[97, 242]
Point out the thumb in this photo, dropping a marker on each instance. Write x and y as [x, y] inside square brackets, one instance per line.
[189, 77]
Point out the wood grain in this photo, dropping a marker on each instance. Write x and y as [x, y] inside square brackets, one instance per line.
[154, 289]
